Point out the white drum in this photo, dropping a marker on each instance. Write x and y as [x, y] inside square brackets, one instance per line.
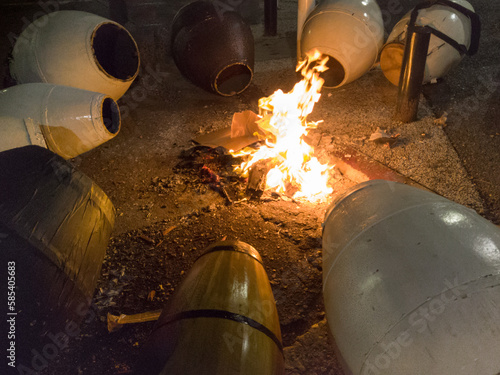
[350, 32]
[411, 283]
[76, 49]
[441, 56]
[66, 120]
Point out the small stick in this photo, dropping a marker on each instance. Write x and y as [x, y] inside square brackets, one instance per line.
[115, 322]
[226, 195]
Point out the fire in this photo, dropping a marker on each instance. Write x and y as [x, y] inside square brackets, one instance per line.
[284, 124]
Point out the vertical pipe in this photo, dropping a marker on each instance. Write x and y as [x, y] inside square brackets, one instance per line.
[304, 8]
[412, 73]
[270, 17]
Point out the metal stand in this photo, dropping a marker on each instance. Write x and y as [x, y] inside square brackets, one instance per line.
[270, 17]
[412, 73]
[415, 55]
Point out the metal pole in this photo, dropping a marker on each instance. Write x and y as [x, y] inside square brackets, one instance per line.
[270, 17]
[412, 73]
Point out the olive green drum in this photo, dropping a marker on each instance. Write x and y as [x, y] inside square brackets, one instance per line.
[55, 223]
[221, 320]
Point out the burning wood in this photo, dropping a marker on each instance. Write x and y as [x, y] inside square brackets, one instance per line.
[257, 180]
[284, 126]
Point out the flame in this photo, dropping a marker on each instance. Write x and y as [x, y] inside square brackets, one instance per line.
[283, 122]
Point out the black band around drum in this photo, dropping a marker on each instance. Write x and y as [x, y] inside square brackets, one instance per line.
[473, 17]
[222, 314]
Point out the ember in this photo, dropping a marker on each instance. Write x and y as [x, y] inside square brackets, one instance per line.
[283, 120]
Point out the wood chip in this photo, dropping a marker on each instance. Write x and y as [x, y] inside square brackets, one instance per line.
[168, 230]
[147, 239]
[151, 295]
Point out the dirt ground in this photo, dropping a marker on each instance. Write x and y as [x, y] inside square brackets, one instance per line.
[167, 215]
[138, 262]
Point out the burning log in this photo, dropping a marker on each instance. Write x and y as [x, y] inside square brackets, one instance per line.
[257, 178]
[283, 120]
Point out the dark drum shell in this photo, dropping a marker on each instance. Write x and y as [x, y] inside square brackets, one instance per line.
[213, 47]
[55, 224]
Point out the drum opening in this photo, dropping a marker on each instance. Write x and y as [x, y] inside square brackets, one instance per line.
[111, 115]
[115, 51]
[233, 79]
[335, 74]
[391, 59]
